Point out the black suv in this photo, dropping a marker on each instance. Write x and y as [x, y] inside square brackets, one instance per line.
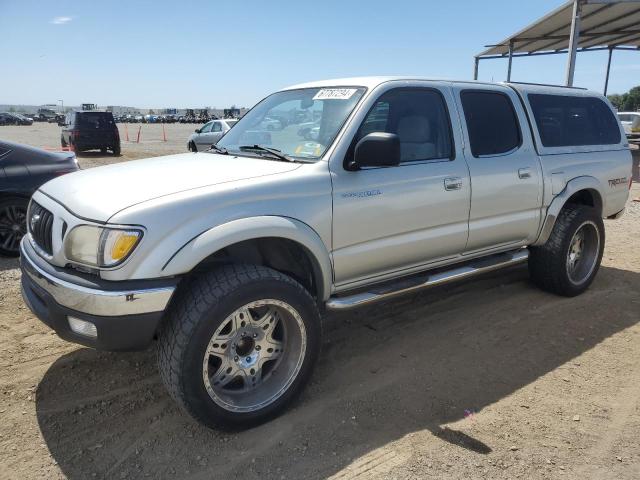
[90, 131]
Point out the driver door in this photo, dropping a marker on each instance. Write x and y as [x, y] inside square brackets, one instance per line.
[204, 138]
[388, 221]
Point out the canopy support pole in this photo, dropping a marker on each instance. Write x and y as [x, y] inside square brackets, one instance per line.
[510, 61]
[606, 79]
[475, 67]
[573, 42]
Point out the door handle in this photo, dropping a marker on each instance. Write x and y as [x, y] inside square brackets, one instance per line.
[453, 183]
[524, 173]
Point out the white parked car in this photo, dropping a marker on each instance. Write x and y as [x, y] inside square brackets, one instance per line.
[631, 123]
[229, 256]
[208, 134]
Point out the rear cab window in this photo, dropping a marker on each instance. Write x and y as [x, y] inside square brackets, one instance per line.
[570, 121]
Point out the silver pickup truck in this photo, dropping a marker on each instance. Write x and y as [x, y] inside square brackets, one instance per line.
[229, 256]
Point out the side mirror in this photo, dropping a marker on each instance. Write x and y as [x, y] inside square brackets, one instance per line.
[377, 149]
[197, 130]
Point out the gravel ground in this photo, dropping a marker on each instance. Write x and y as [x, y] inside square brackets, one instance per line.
[487, 379]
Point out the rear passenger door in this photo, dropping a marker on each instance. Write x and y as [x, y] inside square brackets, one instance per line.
[506, 176]
[216, 132]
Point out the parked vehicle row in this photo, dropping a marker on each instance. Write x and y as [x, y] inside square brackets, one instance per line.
[228, 257]
[10, 118]
[129, 118]
[22, 170]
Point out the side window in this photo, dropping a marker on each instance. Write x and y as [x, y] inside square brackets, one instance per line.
[491, 122]
[418, 116]
[206, 128]
[566, 120]
[216, 127]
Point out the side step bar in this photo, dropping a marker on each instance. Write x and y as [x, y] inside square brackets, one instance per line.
[426, 280]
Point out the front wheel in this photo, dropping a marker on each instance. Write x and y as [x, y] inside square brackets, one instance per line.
[13, 225]
[238, 345]
[568, 262]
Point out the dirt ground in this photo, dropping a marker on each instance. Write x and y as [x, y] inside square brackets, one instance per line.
[487, 379]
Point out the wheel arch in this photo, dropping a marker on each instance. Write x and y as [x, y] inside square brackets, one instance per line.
[585, 190]
[284, 244]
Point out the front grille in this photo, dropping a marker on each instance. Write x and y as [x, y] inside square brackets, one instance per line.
[40, 224]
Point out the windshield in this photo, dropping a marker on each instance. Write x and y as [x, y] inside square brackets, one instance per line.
[299, 123]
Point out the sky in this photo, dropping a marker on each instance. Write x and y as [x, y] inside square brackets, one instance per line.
[192, 53]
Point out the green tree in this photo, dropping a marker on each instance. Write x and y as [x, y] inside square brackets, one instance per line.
[632, 102]
[627, 102]
[616, 100]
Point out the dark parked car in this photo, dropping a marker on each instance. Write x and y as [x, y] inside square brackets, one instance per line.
[90, 130]
[22, 170]
[7, 118]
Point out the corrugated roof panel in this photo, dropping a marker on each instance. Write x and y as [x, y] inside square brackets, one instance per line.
[602, 25]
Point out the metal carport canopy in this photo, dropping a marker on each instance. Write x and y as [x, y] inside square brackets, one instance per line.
[576, 26]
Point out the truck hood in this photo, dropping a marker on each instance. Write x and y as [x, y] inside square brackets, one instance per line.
[99, 193]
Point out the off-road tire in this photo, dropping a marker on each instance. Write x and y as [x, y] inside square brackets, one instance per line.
[201, 304]
[548, 263]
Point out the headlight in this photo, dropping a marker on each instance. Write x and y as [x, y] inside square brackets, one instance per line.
[101, 247]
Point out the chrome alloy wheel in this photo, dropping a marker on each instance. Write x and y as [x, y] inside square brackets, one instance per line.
[13, 227]
[582, 256]
[254, 355]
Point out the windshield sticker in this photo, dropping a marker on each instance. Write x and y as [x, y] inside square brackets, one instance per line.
[335, 94]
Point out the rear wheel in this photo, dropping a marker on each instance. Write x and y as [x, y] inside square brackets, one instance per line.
[192, 147]
[116, 150]
[13, 225]
[239, 344]
[569, 261]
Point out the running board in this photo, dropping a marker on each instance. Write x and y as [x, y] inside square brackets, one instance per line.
[426, 280]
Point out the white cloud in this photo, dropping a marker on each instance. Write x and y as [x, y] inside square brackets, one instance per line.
[61, 20]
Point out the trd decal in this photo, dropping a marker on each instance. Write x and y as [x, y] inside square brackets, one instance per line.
[614, 182]
[363, 194]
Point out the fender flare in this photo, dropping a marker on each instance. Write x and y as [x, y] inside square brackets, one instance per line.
[189, 255]
[557, 204]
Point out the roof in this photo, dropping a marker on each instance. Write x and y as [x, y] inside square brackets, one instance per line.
[607, 24]
[368, 82]
[372, 82]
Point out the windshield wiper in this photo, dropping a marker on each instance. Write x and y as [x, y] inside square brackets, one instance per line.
[273, 151]
[220, 150]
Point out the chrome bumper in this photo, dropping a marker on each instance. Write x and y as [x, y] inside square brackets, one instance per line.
[93, 301]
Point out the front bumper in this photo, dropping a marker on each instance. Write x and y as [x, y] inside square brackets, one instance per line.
[126, 314]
